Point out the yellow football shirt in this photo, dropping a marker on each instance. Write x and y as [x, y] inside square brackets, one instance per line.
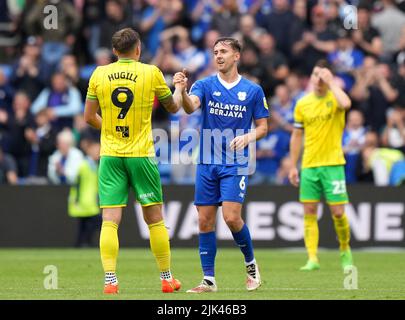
[126, 90]
[323, 123]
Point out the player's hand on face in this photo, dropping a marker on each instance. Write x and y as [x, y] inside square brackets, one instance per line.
[239, 142]
[294, 177]
[326, 76]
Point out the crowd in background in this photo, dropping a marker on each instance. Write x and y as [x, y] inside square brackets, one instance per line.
[44, 76]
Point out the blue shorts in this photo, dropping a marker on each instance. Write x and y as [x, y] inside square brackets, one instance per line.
[217, 183]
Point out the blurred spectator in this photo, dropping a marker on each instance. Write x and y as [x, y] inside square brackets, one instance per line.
[295, 87]
[42, 138]
[373, 92]
[64, 163]
[29, 72]
[56, 41]
[283, 171]
[200, 12]
[298, 23]
[18, 123]
[93, 13]
[9, 36]
[251, 67]
[184, 143]
[332, 12]
[272, 61]
[8, 169]
[400, 55]
[226, 18]
[164, 59]
[136, 7]
[366, 37]
[260, 9]
[398, 83]
[388, 22]
[269, 152]
[393, 135]
[379, 160]
[69, 67]
[315, 44]
[83, 195]
[6, 93]
[209, 66]
[354, 138]
[116, 18]
[249, 33]
[61, 100]
[283, 109]
[103, 56]
[345, 59]
[159, 15]
[83, 133]
[178, 52]
[279, 25]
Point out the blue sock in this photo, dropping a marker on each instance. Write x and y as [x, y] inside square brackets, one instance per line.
[244, 242]
[208, 251]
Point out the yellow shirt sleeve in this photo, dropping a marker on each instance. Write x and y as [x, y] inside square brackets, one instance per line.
[298, 117]
[162, 90]
[336, 104]
[92, 89]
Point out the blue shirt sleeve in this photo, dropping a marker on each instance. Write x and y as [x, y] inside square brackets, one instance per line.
[197, 89]
[261, 108]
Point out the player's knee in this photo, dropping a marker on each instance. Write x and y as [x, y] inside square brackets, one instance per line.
[310, 208]
[112, 214]
[337, 211]
[206, 224]
[152, 214]
[234, 222]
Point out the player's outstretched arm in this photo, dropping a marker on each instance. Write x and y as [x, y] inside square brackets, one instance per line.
[295, 149]
[190, 103]
[90, 114]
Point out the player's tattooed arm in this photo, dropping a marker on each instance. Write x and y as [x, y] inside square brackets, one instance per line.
[170, 104]
[90, 114]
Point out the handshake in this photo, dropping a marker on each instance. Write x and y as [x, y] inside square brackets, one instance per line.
[180, 80]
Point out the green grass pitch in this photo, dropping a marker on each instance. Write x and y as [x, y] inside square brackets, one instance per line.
[380, 275]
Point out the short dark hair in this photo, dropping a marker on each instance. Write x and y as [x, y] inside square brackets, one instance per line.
[364, 5]
[125, 40]
[234, 43]
[322, 63]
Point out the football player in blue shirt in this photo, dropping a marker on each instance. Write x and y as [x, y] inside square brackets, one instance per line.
[229, 105]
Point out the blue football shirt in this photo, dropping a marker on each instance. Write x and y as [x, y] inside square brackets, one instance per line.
[227, 113]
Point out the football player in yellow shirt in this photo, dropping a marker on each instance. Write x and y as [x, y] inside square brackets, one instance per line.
[125, 91]
[319, 118]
